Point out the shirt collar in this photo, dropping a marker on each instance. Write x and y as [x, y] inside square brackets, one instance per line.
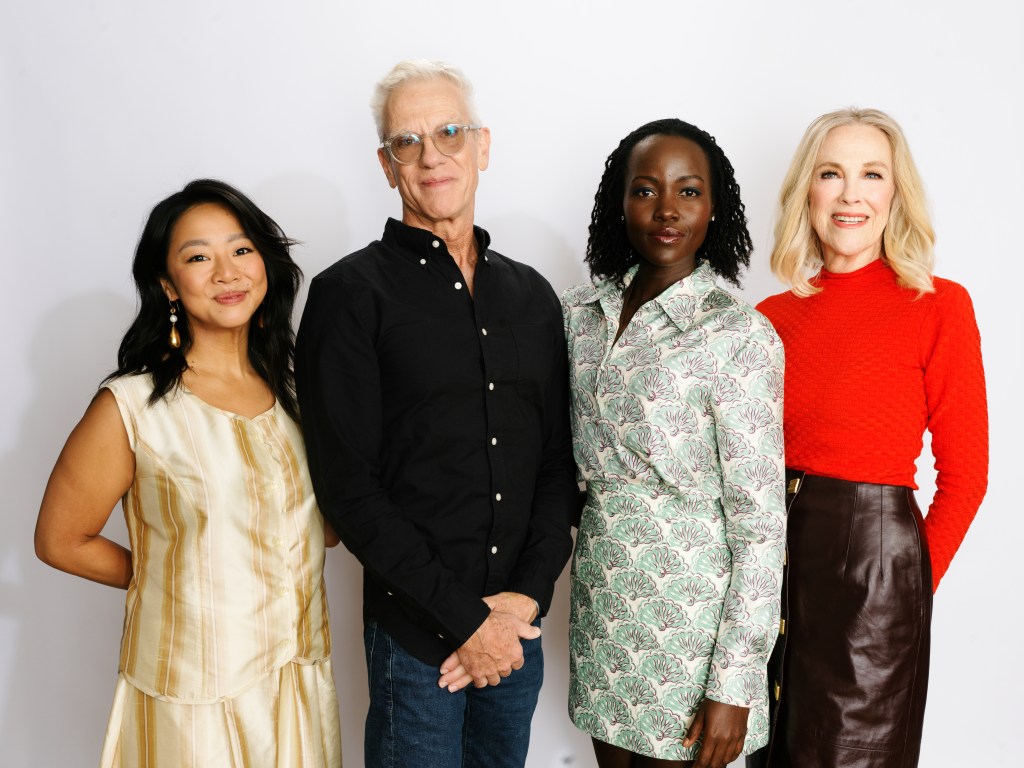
[415, 243]
[695, 285]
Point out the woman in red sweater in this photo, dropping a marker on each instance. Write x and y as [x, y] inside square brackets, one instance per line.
[877, 350]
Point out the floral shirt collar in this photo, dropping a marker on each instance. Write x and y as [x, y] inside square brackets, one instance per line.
[685, 293]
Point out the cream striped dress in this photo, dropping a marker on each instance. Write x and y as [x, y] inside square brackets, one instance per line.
[225, 652]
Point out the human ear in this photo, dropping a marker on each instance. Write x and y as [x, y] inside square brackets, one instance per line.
[385, 163]
[169, 292]
[483, 148]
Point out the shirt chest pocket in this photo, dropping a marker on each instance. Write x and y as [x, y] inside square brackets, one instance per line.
[534, 355]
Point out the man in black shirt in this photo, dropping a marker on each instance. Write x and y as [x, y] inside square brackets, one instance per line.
[432, 380]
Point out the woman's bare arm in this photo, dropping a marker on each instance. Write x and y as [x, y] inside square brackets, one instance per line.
[94, 470]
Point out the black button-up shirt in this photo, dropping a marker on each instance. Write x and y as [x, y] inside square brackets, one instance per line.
[437, 427]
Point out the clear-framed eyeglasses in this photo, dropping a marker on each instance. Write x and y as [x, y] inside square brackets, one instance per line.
[406, 148]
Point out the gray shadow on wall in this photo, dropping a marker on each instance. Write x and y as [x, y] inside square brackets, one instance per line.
[313, 211]
[533, 241]
[60, 634]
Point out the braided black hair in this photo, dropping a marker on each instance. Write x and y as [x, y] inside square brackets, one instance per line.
[727, 245]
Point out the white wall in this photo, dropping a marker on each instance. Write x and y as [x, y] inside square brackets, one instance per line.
[106, 107]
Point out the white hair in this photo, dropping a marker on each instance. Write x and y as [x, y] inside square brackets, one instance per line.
[419, 69]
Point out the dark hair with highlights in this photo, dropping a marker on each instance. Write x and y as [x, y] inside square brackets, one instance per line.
[726, 247]
[144, 348]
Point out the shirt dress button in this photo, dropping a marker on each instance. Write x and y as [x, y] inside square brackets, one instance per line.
[436, 244]
[458, 286]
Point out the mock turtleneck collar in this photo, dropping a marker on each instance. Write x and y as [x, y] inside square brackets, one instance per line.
[871, 268]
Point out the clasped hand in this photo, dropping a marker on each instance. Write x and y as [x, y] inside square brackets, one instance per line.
[495, 649]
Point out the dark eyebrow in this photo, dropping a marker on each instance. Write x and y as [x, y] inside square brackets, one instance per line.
[200, 241]
[691, 177]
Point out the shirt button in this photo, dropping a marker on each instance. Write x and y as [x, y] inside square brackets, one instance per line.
[440, 636]
[494, 550]
[458, 286]
[497, 497]
[436, 244]
[494, 441]
[491, 386]
[423, 261]
[483, 331]
[390, 595]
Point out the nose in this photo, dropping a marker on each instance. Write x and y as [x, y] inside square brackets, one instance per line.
[225, 270]
[851, 190]
[430, 156]
[666, 210]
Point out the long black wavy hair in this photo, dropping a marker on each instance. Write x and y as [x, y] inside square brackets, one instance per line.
[727, 245]
[144, 348]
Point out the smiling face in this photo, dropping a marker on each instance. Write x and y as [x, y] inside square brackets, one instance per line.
[667, 202]
[437, 191]
[851, 193]
[214, 270]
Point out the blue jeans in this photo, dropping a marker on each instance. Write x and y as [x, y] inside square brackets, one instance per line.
[412, 722]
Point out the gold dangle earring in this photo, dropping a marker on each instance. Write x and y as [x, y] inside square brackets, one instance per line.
[174, 339]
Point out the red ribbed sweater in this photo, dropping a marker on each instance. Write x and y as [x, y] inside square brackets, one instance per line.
[868, 368]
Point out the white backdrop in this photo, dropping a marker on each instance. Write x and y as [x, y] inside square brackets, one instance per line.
[106, 107]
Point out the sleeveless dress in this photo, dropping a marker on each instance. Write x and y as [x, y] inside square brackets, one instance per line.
[677, 571]
[225, 654]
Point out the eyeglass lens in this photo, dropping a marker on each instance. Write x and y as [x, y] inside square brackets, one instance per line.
[448, 139]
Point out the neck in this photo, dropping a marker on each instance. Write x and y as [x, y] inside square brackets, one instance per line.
[838, 263]
[651, 281]
[223, 355]
[457, 234]
[462, 247]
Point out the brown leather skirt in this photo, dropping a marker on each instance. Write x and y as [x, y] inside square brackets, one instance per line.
[850, 667]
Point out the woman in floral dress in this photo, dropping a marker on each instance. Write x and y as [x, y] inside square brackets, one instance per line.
[677, 407]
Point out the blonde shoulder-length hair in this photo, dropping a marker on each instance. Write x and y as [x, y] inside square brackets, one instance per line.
[908, 238]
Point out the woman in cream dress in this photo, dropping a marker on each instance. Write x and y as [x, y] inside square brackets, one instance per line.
[225, 652]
